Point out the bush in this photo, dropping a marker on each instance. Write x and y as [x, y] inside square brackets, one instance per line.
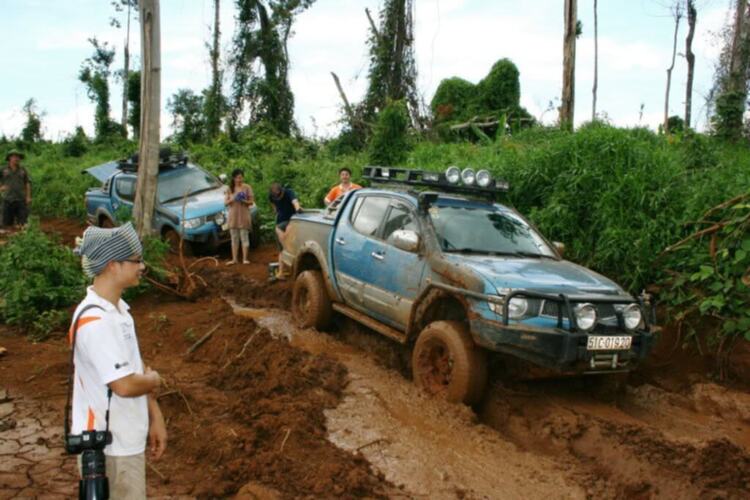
[453, 100]
[500, 89]
[40, 279]
[390, 144]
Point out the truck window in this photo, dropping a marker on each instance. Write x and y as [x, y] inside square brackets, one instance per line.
[399, 217]
[125, 187]
[371, 213]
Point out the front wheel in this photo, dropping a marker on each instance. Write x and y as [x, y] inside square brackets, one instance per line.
[447, 364]
[311, 306]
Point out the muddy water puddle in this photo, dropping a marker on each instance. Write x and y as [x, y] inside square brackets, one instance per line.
[533, 440]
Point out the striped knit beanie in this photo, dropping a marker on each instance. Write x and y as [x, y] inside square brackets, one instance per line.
[100, 246]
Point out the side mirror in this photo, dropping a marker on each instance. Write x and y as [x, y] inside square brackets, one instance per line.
[560, 247]
[405, 240]
[223, 178]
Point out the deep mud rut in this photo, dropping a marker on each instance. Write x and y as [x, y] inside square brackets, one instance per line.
[265, 410]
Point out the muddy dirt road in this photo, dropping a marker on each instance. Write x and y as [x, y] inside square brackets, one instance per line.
[265, 410]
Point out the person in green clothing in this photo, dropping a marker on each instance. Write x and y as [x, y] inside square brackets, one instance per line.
[15, 187]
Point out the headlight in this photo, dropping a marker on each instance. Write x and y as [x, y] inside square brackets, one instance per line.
[517, 307]
[483, 178]
[453, 175]
[468, 176]
[193, 223]
[632, 316]
[585, 316]
[430, 176]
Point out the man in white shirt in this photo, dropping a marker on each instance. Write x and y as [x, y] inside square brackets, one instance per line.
[107, 357]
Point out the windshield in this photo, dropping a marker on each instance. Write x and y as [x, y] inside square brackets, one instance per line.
[188, 180]
[487, 230]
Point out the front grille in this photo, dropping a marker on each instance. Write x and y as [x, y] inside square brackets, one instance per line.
[604, 311]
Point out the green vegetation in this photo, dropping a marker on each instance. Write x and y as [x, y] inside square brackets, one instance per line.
[40, 277]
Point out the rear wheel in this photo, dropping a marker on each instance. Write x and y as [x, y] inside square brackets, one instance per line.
[311, 306]
[447, 364]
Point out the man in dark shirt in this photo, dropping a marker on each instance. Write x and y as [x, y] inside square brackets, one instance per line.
[15, 186]
[285, 203]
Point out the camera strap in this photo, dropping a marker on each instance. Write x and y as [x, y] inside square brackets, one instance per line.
[68, 407]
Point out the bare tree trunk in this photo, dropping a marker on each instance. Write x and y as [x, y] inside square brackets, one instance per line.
[738, 60]
[148, 152]
[373, 27]
[567, 106]
[596, 62]
[347, 106]
[215, 108]
[125, 73]
[677, 16]
[692, 16]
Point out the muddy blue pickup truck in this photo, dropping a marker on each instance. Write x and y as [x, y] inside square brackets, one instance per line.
[202, 220]
[431, 259]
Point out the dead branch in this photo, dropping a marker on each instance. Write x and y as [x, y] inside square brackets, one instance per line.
[375, 441]
[242, 351]
[288, 431]
[702, 232]
[202, 340]
[347, 106]
[214, 259]
[162, 476]
[372, 24]
[726, 204]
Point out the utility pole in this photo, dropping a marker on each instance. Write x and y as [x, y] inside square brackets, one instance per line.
[567, 106]
[148, 151]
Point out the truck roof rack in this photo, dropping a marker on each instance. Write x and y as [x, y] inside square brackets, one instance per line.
[167, 159]
[437, 181]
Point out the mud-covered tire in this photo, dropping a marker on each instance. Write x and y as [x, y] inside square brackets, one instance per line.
[447, 364]
[311, 306]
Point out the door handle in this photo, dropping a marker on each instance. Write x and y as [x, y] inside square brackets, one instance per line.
[378, 255]
[341, 241]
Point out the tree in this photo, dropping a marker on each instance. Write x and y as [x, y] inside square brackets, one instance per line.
[187, 116]
[148, 151]
[567, 106]
[596, 62]
[95, 72]
[134, 98]
[263, 30]
[677, 15]
[731, 78]
[127, 6]
[393, 74]
[390, 142]
[692, 16]
[32, 130]
[214, 102]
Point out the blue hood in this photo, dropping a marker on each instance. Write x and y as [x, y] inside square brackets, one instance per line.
[199, 205]
[540, 275]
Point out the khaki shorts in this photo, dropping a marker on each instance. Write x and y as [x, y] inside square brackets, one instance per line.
[126, 475]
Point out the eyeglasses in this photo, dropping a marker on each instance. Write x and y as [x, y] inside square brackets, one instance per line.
[139, 260]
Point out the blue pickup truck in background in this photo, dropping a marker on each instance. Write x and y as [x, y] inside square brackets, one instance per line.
[204, 223]
[435, 262]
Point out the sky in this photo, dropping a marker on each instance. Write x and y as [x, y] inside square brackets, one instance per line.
[45, 42]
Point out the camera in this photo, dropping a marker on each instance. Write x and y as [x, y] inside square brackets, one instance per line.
[90, 444]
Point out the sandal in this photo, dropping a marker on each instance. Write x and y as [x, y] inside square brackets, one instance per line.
[231, 262]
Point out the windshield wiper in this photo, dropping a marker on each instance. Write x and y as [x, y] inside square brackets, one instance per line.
[175, 198]
[498, 253]
[535, 255]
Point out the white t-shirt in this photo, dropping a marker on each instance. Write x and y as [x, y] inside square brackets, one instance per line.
[107, 350]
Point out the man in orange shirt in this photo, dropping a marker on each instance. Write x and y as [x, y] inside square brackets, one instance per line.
[346, 185]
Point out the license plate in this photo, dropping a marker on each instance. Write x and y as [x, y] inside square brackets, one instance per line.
[608, 343]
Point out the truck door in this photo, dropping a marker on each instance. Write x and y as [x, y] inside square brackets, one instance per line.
[353, 246]
[396, 282]
[123, 196]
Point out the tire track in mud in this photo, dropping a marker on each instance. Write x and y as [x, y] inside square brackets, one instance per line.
[534, 440]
